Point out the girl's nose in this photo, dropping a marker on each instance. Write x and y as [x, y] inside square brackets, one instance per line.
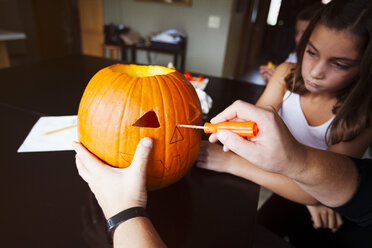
[318, 70]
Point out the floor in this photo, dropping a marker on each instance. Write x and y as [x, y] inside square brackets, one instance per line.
[263, 196]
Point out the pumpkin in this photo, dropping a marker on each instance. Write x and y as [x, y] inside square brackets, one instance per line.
[124, 103]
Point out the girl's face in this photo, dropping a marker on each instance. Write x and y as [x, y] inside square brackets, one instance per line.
[331, 60]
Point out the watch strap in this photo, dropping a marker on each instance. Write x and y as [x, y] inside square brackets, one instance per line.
[123, 216]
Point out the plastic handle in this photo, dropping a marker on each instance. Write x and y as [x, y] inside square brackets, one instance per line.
[244, 129]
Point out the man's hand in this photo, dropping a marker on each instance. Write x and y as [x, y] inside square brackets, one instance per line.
[115, 189]
[273, 149]
[329, 177]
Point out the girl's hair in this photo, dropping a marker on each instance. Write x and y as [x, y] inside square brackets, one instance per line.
[308, 12]
[353, 110]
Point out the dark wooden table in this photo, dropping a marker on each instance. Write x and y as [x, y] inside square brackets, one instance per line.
[46, 204]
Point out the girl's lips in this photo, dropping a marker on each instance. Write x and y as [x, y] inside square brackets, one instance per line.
[312, 84]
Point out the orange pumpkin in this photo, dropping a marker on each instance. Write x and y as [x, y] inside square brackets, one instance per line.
[124, 103]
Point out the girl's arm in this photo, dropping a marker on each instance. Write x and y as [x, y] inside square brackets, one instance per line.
[276, 87]
[277, 183]
[281, 185]
[212, 157]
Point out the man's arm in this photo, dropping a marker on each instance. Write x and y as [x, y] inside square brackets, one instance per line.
[329, 177]
[137, 232]
[359, 208]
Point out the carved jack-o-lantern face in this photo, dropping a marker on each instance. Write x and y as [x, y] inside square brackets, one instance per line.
[124, 103]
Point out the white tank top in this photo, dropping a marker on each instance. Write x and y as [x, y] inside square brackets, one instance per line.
[294, 118]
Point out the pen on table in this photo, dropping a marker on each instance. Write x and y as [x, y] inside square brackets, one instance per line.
[244, 129]
[60, 129]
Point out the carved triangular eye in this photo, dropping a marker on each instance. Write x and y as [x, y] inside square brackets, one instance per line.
[194, 113]
[148, 120]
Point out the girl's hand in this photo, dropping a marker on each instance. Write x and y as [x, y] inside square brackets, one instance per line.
[266, 73]
[324, 217]
[212, 157]
[115, 189]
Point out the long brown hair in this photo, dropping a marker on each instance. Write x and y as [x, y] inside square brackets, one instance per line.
[353, 110]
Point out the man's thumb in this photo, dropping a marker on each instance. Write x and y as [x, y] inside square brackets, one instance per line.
[141, 157]
[233, 141]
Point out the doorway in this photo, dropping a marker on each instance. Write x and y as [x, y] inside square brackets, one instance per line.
[51, 28]
[262, 42]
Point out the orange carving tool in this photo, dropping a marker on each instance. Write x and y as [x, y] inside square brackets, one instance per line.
[244, 129]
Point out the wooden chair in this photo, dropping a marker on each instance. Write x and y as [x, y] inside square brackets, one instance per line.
[112, 51]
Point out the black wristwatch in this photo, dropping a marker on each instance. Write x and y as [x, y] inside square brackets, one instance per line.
[117, 219]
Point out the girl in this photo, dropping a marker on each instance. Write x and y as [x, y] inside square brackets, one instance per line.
[302, 21]
[325, 100]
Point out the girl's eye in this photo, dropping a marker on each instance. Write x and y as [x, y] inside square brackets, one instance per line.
[311, 53]
[341, 66]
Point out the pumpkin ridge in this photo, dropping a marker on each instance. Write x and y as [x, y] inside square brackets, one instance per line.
[107, 133]
[157, 81]
[90, 87]
[87, 92]
[190, 89]
[142, 81]
[187, 88]
[104, 133]
[178, 86]
[131, 84]
[193, 95]
[173, 90]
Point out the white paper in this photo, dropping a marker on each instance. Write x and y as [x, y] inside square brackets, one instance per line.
[38, 141]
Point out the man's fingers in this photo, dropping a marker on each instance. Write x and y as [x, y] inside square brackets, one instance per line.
[225, 148]
[213, 138]
[90, 161]
[142, 155]
[235, 143]
[83, 172]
